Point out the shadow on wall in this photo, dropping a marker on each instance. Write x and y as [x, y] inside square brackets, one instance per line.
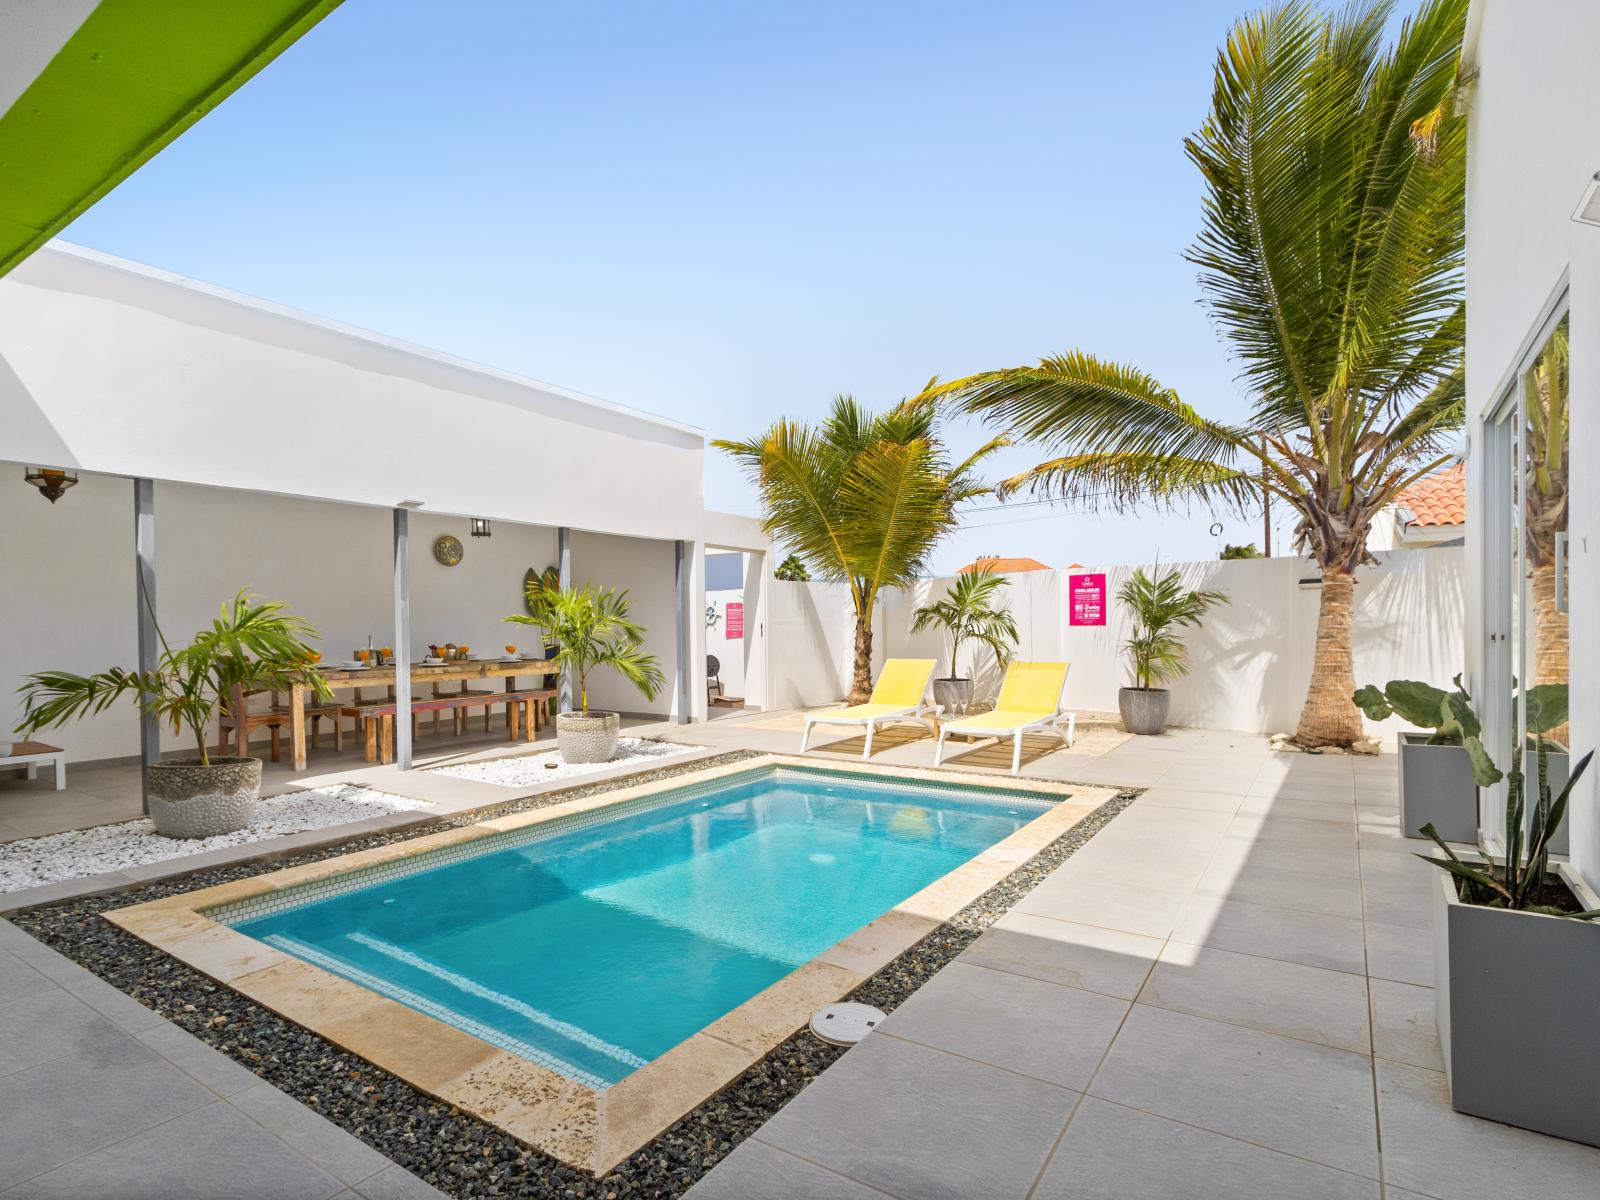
[28, 431]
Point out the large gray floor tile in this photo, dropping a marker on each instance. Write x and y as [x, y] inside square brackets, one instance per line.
[1108, 961]
[1133, 909]
[19, 981]
[1054, 1033]
[1315, 939]
[1297, 830]
[1404, 1027]
[1291, 999]
[215, 1153]
[1403, 953]
[1283, 887]
[757, 1171]
[344, 1157]
[1184, 797]
[1312, 1101]
[1336, 812]
[115, 1005]
[396, 1183]
[199, 1061]
[890, 1113]
[50, 1025]
[71, 1106]
[1321, 862]
[1115, 1153]
[1430, 1148]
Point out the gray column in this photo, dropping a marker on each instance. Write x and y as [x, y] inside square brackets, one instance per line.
[680, 590]
[144, 550]
[564, 566]
[402, 640]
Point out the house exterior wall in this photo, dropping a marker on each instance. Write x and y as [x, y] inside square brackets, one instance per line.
[1532, 148]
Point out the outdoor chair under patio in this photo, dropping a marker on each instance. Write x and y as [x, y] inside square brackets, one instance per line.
[1029, 701]
[901, 694]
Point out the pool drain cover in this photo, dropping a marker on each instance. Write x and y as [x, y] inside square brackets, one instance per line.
[845, 1024]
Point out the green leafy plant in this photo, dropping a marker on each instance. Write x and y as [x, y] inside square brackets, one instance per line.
[1248, 550]
[967, 614]
[1160, 607]
[590, 627]
[1448, 714]
[792, 570]
[863, 498]
[1330, 256]
[253, 646]
[1521, 882]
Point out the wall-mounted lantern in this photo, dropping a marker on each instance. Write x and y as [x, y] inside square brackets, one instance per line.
[480, 527]
[52, 482]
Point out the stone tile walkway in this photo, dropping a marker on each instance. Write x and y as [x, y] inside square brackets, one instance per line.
[102, 1097]
[1226, 995]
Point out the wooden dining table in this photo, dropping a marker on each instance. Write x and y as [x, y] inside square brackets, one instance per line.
[344, 679]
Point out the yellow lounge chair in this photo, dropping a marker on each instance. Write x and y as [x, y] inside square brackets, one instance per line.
[901, 694]
[1030, 699]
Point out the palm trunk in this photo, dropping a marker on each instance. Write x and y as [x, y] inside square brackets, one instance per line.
[861, 682]
[1549, 637]
[1330, 716]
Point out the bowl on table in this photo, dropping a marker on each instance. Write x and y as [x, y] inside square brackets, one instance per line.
[353, 664]
[433, 660]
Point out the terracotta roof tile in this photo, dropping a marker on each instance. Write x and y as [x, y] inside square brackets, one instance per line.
[1437, 499]
[1004, 566]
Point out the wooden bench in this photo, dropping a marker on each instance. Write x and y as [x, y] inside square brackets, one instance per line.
[31, 754]
[377, 718]
[275, 719]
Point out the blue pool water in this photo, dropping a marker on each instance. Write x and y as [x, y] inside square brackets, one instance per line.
[596, 950]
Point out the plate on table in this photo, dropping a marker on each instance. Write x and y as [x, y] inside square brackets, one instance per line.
[352, 666]
[433, 662]
[511, 658]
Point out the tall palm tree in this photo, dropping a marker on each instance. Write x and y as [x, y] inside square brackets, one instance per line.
[1330, 258]
[1544, 491]
[863, 498]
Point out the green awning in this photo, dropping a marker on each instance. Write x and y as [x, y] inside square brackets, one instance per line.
[134, 76]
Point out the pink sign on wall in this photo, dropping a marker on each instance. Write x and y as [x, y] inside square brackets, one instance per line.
[733, 627]
[1086, 599]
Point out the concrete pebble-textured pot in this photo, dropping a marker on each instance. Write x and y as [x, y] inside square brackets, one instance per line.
[1512, 996]
[587, 737]
[953, 696]
[189, 799]
[1144, 710]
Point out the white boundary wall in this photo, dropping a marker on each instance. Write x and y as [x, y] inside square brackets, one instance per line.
[1252, 657]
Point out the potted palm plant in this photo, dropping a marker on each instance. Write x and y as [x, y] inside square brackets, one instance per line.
[1516, 951]
[253, 646]
[589, 628]
[967, 614]
[1160, 607]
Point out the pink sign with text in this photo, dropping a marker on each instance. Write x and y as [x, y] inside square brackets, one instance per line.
[733, 627]
[1086, 599]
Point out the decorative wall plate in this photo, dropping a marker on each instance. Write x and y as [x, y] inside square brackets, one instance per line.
[448, 550]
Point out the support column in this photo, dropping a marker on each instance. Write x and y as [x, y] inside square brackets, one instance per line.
[681, 605]
[402, 640]
[144, 550]
[564, 567]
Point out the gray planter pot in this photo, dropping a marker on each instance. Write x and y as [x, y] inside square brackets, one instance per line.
[1144, 710]
[1511, 993]
[188, 800]
[1436, 785]
[590, 738]
[953, 696]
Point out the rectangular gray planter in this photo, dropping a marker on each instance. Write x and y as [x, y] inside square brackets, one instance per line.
[1514, 996]
[1436, 785]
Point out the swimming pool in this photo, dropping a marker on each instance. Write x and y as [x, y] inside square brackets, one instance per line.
[522, 966]
[594, 950]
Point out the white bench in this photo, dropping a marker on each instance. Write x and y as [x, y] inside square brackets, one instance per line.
[31, 754]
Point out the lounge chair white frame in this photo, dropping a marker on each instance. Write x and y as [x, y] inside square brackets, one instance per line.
[1050, 724]
[921, 714]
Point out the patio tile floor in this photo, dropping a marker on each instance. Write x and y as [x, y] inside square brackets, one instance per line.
[1280, 1040]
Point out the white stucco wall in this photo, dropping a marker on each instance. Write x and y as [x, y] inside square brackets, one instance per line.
[646, 569]
[110, 366]
[1533, 146]
[1251, 659]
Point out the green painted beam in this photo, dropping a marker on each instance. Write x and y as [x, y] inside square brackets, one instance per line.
[135, 75]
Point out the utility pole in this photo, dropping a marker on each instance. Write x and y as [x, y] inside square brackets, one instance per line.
[1266, 506]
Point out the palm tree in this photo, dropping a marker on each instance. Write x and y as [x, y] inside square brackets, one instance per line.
[1544, 491]
[967, 614]
[863, 498]
[1330, 259]
[591, 628]
[1161, 606]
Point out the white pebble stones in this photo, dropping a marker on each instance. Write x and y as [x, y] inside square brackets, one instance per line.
[845, 1024]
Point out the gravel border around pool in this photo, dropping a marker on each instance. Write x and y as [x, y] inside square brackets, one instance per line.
[451, 1150]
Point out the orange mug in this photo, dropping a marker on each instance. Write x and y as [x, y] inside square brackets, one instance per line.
[363, 655]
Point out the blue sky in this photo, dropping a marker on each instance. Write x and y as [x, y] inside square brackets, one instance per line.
[728, 212]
